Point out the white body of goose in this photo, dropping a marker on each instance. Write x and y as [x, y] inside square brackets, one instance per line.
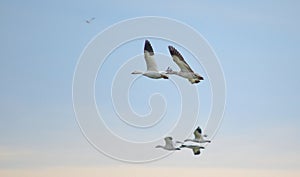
[152, 71]
[185, 69]
[199, 138]
[170, 145]
[195, 148]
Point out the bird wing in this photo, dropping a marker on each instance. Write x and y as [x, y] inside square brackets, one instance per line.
[149, 57]
[198, 134]
[179, 60]
[169, 142]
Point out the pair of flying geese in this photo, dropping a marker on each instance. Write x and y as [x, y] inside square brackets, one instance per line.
[154, 73]
[199, 138]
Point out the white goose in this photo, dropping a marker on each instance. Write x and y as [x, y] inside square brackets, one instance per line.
[195, 148]
[169, 145]
[152, 71]
[185, 69]
[199, 138]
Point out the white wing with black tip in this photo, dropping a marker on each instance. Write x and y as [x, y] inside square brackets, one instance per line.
[198, 133]
[179, 60]
[149, 57]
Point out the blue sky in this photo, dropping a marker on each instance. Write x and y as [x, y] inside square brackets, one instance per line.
[257, 45]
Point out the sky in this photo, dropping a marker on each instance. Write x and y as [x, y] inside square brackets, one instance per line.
[256, 43]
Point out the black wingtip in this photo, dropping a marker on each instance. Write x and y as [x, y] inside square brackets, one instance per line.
[175, 52]
[148, 46]
[172, 50]
[199, 129]
[197, 153]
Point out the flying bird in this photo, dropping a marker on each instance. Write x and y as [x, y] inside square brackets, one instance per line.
[199, 138]
[195, 148]
[90, 20]
[152, 71]
[185, 69]
[169, 144]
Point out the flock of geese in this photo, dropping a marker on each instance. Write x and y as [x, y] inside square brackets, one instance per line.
[185, 72]
[171, 145]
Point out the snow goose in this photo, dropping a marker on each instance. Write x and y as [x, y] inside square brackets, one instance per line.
[199, 138]
[169, 145]
[185, 69]
[152, 71]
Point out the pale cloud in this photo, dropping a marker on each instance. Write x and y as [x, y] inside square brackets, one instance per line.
[137, 171]
[10, 154]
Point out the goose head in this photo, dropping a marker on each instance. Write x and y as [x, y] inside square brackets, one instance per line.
[198, 77]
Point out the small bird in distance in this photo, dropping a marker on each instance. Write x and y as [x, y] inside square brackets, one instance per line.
[90, 20]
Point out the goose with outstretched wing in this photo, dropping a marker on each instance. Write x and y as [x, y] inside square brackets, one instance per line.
[199, 138]
[169, 144]
[152, 71]
[185, 69]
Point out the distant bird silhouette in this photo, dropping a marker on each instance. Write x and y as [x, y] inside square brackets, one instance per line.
[185, 69]
[90, 20]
